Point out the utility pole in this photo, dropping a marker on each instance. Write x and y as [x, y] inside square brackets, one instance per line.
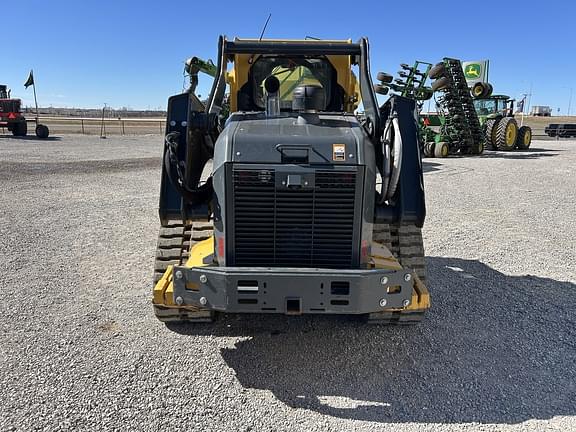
[569, 99]
[103, 125]
[529, 98]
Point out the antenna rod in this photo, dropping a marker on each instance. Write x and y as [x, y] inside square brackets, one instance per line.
[265, 25]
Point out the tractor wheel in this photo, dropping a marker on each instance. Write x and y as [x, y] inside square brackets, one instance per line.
[20, 128]
[437, 71]
[441, 150]
[175, 241]
[384, 77]
[440, 83]
[477, 149]
[524, 138]
[42, 131]
[404, 242]
[429, 149]
[380, 89]
[481, 90]
[490, 133]
[506, 132]
[477, 90]
[489, 90]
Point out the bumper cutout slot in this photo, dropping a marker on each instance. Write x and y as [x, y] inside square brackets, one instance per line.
[247, 301]
[247, 287]
[340, 288]
[339, 302]
[293, 306]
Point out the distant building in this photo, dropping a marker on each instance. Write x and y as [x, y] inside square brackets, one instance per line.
[541, 110]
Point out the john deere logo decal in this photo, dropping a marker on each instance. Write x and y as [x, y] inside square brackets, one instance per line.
[472, 71]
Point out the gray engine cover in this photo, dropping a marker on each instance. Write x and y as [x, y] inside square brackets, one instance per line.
[308, 139]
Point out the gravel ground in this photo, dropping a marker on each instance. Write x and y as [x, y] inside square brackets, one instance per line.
[81, 350]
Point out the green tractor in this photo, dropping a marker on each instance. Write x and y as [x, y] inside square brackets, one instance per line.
[496, 114]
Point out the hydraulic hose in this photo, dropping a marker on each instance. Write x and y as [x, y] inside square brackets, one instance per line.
[386, 163]
[396, 160]
[176, 174]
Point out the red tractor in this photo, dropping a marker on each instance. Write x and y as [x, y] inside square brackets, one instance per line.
[11, 116]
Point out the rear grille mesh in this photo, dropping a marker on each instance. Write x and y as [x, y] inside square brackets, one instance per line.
[281, 227]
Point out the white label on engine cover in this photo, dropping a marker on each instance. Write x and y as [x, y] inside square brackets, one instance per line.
[338, 152]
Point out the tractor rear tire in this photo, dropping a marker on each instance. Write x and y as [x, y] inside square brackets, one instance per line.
[440, 83]
[42, 131]
[506, 133]
[437, 71]
[490, 133]
[404, 242]
[20, 128]
[524, 138]
[175, 241]
[441, 150]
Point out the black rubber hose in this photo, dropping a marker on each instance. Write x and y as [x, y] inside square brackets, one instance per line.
[200, 195]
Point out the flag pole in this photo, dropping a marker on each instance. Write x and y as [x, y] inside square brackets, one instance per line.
[35, 100]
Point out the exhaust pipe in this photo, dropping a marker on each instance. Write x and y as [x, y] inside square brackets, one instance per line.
[272, 86]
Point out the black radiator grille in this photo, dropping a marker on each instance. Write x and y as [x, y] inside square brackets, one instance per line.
[282, 227]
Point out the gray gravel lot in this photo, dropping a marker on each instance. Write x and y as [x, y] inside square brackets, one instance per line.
[81, 350]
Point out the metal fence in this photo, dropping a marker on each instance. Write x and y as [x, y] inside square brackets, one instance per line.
[106, 126]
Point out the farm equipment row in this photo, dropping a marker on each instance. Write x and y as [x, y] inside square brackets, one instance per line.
[468, 120]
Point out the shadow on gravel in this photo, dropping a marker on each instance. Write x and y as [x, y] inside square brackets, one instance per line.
[431, 166]
[494, 349]
[532, 153]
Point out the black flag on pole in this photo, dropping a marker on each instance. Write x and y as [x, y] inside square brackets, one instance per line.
[30, 80]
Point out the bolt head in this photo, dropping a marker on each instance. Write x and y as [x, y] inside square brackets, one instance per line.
[383, 280]
[383, 302]
[203, 301]
[203, 279]
[406, 303]
[172, 123]
[238, 153]
[178, 274]
[179, 301]
[407, 277]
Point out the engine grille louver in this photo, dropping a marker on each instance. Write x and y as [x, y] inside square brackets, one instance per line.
[282, 227]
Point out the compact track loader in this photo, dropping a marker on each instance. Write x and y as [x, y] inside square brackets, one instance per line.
[277, 198]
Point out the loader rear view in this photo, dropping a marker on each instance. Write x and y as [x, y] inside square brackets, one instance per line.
[309, 208]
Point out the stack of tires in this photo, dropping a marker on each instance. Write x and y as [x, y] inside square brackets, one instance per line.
[461, 131]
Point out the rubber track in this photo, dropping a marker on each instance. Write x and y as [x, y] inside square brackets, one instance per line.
[173, 248]
[406, 244]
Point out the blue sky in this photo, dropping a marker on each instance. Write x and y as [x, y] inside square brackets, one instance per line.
[131, 53]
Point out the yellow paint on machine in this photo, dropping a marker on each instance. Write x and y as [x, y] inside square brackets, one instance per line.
[381, 258]
[164, 290]
[242, 63]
